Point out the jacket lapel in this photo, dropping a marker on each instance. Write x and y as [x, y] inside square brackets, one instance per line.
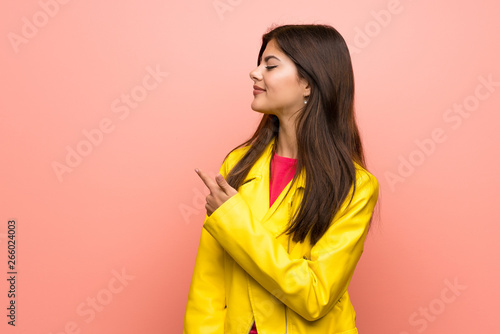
[255, 190]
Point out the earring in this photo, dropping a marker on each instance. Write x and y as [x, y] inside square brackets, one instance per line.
[305, 101]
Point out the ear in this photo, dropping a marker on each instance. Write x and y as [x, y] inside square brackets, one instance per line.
[306, 87]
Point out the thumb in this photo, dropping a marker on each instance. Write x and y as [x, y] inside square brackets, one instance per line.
[222, 182]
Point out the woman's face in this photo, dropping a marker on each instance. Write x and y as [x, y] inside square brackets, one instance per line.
[281, 92]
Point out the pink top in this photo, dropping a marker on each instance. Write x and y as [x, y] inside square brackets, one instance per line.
[282, 171]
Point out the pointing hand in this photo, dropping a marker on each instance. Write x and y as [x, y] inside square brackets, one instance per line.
[220, 191]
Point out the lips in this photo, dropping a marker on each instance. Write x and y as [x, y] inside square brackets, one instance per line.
[257, 90]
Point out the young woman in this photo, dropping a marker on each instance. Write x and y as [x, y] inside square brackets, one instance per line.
[289, 213]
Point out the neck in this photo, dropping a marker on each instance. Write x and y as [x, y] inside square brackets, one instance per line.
[286, 145]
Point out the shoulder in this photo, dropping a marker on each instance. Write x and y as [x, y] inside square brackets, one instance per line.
[366, 182]
[233, 157]
[363, 195]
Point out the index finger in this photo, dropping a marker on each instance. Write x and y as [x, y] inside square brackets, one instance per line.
[206, 179]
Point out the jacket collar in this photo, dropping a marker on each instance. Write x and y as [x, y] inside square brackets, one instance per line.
[259, 200]
[261, 167]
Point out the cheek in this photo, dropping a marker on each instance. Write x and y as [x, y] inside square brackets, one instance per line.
[283, 84]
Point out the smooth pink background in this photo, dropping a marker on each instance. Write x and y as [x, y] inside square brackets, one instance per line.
[134, 204]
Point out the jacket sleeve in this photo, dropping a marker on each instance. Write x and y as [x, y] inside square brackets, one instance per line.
[206, 304]
[309, 287]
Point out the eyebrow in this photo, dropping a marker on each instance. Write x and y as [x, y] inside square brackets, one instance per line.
[271, 56]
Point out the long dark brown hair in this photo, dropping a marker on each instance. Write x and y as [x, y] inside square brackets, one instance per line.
[327, 135]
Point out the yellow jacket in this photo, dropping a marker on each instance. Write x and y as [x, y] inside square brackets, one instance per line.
[244, 272]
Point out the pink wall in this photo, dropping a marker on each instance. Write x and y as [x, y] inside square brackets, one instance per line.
[106, 239]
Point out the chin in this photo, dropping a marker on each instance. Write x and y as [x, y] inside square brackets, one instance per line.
[255, 108]
[259, 108]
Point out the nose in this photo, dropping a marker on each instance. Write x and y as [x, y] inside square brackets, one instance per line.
[255, 74]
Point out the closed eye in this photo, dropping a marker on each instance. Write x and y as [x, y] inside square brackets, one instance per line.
[271, 67]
